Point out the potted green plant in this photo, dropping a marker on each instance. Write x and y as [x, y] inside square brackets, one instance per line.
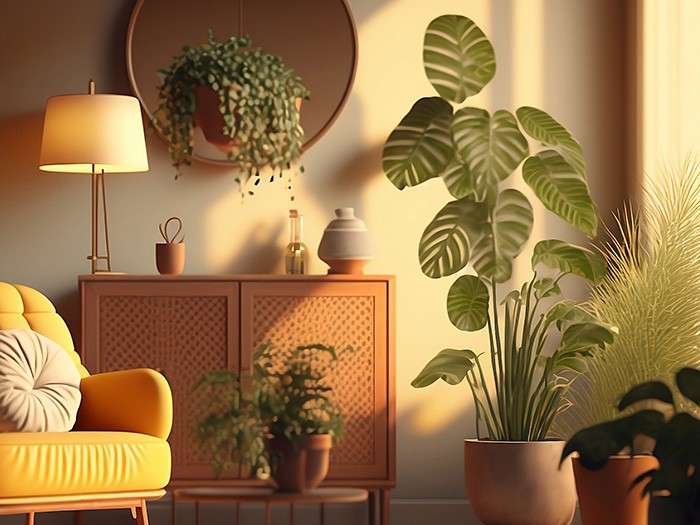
[279, 422]
[652, 293]
[486, 227]
[245, 100]
[676, 479]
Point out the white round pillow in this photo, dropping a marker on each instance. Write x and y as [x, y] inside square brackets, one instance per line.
[39, 384]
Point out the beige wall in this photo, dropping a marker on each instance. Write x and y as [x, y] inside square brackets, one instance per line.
[564, 55]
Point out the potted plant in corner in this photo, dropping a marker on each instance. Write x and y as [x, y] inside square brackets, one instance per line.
[486, 227]
[279, 422]
[674, 478]
[652, 294]
[246, 101]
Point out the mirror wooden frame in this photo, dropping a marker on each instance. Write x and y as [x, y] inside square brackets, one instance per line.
[223, 162]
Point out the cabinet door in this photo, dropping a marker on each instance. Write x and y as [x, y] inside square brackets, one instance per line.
[287, 314]
[182, 329]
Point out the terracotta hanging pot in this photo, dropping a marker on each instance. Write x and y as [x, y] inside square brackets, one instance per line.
[300, 466]
[608, 496]
[519, 482]
[208, 117]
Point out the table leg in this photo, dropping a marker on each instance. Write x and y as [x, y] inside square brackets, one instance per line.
[172, 508]
[268, 513]
[323, 513]
[238, 514]
[196, 513]
[291, 514]
[384, 503]
[372, 507]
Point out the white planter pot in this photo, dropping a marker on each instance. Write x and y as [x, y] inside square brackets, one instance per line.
[519, 483]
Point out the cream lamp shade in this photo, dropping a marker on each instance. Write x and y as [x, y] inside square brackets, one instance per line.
[85, 130]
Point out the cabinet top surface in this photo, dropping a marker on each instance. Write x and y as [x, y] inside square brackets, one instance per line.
[125, 277]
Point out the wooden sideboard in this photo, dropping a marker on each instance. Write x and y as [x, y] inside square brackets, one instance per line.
[186, 326]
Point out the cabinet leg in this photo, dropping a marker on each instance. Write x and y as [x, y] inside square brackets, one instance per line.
[78, 517]
[384, 503]
[372, 507]
[142, 514]
[30, 518]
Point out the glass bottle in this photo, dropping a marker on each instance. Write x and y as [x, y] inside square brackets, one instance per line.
[296, 255]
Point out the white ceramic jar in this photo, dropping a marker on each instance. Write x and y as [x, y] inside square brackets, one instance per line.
[346, 246]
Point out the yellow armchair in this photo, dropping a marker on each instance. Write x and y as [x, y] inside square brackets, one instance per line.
[117, 455]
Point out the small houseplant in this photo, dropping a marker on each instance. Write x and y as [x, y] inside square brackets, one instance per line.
[247, 102]
[475, 152]
[677, 446]
[278, 422]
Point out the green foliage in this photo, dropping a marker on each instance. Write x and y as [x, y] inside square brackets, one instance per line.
[458, 58]
[475, 152]
[286, 396]
[677, 440]
[651, 293]
[419, 143]
[257, 97]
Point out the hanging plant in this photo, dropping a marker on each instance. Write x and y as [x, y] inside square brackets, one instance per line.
[251, 94]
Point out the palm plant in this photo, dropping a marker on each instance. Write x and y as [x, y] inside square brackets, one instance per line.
[486, 227]
[652, 293]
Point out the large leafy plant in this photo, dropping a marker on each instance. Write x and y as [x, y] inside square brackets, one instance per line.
[651, 293]
[486, 227]
[286, 396]
[677, 439]
[257, 95]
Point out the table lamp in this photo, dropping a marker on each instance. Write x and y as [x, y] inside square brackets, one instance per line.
[94, 134]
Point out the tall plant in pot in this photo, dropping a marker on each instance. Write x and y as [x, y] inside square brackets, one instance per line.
[279, 422]
[536, 342]
[652, 293]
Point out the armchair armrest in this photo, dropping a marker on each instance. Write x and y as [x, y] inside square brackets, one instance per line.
[136, 400]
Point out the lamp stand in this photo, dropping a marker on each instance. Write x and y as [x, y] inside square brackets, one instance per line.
[98, 192]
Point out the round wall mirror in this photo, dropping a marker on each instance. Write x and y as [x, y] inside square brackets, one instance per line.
[317, 38]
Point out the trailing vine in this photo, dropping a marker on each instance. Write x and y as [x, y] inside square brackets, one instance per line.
[257, 95]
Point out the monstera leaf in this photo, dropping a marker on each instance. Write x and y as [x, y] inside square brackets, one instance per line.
[450, 365]
[459, 179]
[490, 145]
[561, 189]
[468, 303]
[567, 312]
[458, 58]
[503, 237]
[445, 244]
[596, 444]
[421, 145]
[568, 258]
[542, 127]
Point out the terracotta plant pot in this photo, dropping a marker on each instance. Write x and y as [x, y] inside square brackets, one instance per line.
[519, 483]
[301, 466]
[208, 117]
[170, 257]
[607, 496]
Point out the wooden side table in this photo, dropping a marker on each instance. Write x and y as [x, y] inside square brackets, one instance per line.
[267, 497]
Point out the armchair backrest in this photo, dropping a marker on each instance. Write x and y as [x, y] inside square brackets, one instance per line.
[24, 307]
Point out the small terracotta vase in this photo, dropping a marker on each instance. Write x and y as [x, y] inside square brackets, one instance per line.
[608, 496]
[346, 246]
[300, 466]
[170, 257]
[519, 482]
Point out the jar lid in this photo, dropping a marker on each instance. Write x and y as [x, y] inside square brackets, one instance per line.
[346, 221]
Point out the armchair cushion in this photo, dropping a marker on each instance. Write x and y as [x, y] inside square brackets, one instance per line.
[39, 384]
[60, 463]
[137, 400]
